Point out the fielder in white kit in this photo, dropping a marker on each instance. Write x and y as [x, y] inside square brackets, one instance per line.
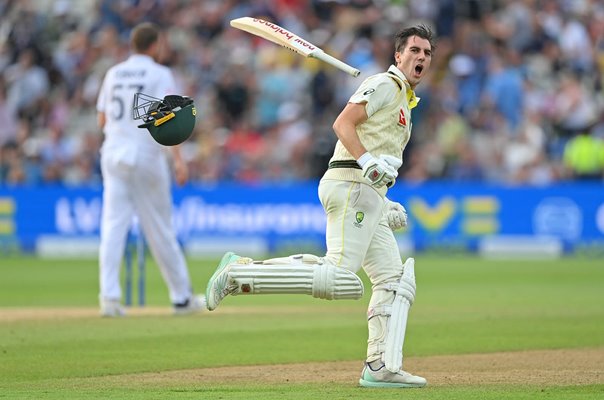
[136, 177]
[373, 130]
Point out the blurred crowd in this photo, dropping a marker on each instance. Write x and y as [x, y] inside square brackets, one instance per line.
[515, 94]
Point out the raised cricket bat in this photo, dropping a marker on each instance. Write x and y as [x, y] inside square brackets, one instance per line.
[289, 40]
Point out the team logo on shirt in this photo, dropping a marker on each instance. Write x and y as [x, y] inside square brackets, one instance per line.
[368, 91]
[401, 118]
[359, 216]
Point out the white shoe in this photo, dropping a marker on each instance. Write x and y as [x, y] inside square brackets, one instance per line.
[381, 377]
[218, 285]
[112, 308]
[194, 304]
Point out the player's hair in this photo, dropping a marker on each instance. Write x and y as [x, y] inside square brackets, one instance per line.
[143, 36]
[422, 31]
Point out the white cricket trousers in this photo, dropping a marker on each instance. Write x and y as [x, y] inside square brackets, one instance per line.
[353, 244]
[358, 236]
[141, 188]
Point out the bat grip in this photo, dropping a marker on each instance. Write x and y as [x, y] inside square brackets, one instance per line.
[321, 55]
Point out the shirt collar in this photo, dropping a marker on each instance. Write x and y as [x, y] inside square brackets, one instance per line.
[138, 56]
[412, 99]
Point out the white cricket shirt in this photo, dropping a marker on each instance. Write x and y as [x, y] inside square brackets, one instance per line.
[388, 100]
[139, 73]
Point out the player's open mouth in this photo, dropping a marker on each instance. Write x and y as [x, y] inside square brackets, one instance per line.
[418, 69]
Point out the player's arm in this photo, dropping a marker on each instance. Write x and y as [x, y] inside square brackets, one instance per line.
[345, 127]
[181, 170]
[376, 171]
[101, 119]
[372, 95]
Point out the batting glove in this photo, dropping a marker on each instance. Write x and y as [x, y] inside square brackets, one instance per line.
[395, 214]
[376, 171]
[394, 162]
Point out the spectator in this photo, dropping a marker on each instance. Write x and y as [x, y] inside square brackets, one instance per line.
[28, 85]
[502, 67]
[8, 118]
[574, 105]
[503, 88]
[584, 157]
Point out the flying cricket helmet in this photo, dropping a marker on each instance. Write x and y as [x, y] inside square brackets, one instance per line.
[169, 120]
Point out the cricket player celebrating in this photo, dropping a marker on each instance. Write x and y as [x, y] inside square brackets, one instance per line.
[136, 177]
[373, 130]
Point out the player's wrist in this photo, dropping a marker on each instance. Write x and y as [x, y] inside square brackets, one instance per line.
[364, 159]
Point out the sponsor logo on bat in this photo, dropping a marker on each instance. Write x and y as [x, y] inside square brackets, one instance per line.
[287, 34]
[305, 43]
[276, 28]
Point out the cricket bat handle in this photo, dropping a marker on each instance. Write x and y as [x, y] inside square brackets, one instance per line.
[321, 55]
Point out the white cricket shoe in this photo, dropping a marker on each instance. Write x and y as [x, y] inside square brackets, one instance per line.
[112, 308]
[382, 378]
[218, 285]
[194, 304]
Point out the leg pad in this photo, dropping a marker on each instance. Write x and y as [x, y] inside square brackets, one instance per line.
[388, 318]
[298, 275]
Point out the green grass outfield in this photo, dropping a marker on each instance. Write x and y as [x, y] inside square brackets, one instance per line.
[54, 346]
